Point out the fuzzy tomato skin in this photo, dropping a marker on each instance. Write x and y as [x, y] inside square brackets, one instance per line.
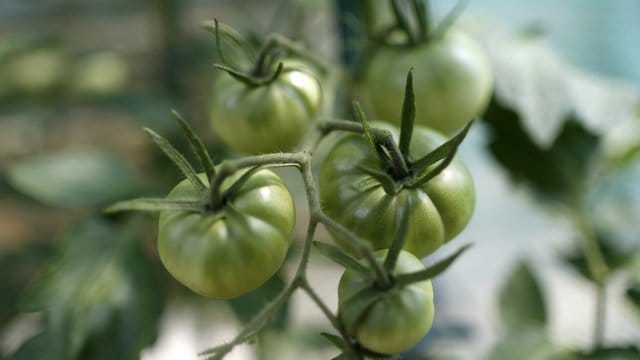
[439, 209]
[400, 318]
[269, 118]
[234, 250]
[452, 79]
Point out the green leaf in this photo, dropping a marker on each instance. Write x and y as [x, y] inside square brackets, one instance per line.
[530, 344]
[341, 257]
[335, 340]
[559, 172]
[101, 297]
[17, 270]
[612, 353]
[522, 303]
[247, 306]
[431, 271]
[633, 295]
[87, 177]
[545, 90]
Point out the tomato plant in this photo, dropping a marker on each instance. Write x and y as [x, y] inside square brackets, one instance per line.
[439, 208]
[267, 118]
[399, 317]
[453, 78]
[226, 252]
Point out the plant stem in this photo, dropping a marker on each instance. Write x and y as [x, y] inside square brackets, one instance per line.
[597, 268]
[253, 327]
[402, 22]
[304, 284]
[588, 241]
[363, 248]
[250, 79]
[601, 309]
[276, 40]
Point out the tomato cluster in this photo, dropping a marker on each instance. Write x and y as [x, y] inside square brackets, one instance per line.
[388, 196]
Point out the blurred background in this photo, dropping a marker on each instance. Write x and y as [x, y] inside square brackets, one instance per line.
[80, 79]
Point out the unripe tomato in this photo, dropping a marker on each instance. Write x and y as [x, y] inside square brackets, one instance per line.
[452, 79]
[233, 250]
[438, 209]
[400, 318]
[269, 118]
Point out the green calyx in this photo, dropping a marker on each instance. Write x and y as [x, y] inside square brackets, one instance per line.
[212, 200]
[413, 27]
[399, 170]
[267, 66]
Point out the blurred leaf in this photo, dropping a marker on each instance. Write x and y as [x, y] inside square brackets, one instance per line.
[74, 178]
[530, 344]
[558, 172]
[522, 303]
[247, 306]
[101, 297]
[545, 90]
[633, 295]
[17, 270]
[612, 353]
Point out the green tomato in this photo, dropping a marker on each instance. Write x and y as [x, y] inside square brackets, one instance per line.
[38, 72]
[438, 209]
[399, 318]
[233, 250]
[452, 80]
[269, 118]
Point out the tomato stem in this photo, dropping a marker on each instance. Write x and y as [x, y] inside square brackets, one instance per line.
[601, 311]
[421, 10]
[403, 22]
[219, 29]
[248, 79]
[278, 41]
